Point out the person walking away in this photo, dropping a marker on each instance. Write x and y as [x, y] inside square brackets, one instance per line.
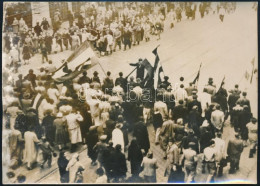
[209, 160]
[47, 151]
[62, 164]
[149, 165]
[234, 151]
[252, 135]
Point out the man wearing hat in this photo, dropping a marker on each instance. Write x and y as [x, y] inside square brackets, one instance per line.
[209, 160]
[165, 84]
[100, 148]
[210, 88]
[194, 102]
[108, 84]
[121, 81]
[217, 119]
[189, 160]
[252, 135]
[127, 38]
[173, 156]
[234, 151]
[91, 141]
[95, 77]
[149, 165]
[118, 137]
[140, 69]
[244, 101]
[84, 78]
[232, 99]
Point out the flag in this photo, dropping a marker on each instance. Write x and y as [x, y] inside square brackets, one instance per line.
[222, 83]
[253, 70]
[158, 72]
[149, 72]
[82, 56]
[198, 76]
[247, 75]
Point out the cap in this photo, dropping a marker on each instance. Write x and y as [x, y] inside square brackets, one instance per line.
[244, 93]
[95, 72]
[59, 115]
[92, 128]
[210, 79]
[166, 77]
[103, 137]
[140, 59]
[119, 125]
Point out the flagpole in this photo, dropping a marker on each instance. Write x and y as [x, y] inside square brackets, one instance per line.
[252, 71]
[197, 82]
[130, 73]
[102, 68]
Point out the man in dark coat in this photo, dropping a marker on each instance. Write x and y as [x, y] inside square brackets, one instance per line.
[232, 99]
[180, 111]
[84, 78]
[195, 120]
[119, 167]
[130, 113]
[37, 29]
[100, 148]
[135, 157]
[32, 121]
[49, 128]
[121, 81]
[190, 138]
[139, 70]
[108, 84]
[221, 98]
[110, 126]
[141, 134]
[127, 38]
[31, 77]
[244, 101]
[20, 123]
[48, 43]
[194, 102]
[91, 140]
[245, 118]
[234, 151]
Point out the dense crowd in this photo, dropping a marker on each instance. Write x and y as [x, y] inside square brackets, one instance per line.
[111, 117]
[106, 28]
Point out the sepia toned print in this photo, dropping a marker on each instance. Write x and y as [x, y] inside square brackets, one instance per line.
[129, 92]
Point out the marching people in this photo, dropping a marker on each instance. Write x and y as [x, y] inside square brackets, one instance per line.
[149, 165]
[96, 111]
[234, 150]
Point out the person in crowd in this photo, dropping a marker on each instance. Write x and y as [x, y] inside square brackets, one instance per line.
[74, 168]
[30, 153]
[173, 157]
[217, 119]
[48, 127]
[252, 135]
[135, 157]
[234, 150]
[220, 148]
[62, 165]
[47, 151]
[189, 160]
[209, 160]
[61, 131]
[157, 124]
[119, 167]
[100, 148]
[149, 165]
[102, 178]
[84, 78]
[141, 134]
[74, 129]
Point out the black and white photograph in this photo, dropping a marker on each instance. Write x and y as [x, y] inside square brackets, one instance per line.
[126, 92]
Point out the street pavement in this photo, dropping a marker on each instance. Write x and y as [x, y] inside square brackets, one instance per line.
[224, 48]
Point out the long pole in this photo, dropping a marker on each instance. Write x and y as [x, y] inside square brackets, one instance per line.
[130, 73]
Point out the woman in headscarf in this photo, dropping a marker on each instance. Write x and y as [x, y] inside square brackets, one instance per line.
[135, 157]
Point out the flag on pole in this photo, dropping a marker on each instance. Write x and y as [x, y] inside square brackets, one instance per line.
[222, 83]
[253, 69]
[157, 69]
[247, 75]
[83, 56]
[149, 73]
[198, 76]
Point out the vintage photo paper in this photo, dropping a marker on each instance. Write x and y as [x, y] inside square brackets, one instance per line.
[129, 92]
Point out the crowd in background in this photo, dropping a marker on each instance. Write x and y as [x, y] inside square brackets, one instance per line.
[42, 118]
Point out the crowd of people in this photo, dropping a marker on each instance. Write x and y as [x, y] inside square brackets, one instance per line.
[111, 117]
[107, 29]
